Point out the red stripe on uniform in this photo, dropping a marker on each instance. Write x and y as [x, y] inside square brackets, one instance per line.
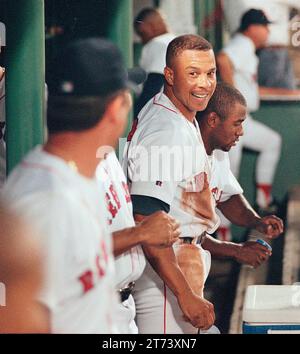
[161, 105]
[165, 309]
[133, 129]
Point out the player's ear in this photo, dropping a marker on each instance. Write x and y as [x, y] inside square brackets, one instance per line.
[169, 75]
[118, 105]
[213, 119]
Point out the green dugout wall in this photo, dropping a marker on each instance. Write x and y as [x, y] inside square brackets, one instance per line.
[25, 79]
[25, 56]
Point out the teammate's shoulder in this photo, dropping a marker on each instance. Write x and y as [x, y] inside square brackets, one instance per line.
[159, 110]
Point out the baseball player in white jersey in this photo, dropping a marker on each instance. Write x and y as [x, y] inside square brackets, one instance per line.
[55, 186]
[64, 207]
[275, 68]
[238, 66]
[152, 28]
[173, 301]
[130, 263]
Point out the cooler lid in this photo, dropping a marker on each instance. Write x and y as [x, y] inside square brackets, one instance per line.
[272, 304]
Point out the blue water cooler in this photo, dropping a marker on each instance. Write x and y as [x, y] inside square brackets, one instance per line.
[272, 309]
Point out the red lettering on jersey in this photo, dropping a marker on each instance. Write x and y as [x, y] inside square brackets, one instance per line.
[127, 194]
[216, 194]
[133, 129]
[104, 251]
[115, 195]
[111, 208]
[101, 271]
[86, 280]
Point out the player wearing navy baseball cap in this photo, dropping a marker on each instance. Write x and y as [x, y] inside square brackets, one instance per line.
[56, 188]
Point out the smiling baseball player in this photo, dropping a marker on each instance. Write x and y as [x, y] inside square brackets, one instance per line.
[169, 292]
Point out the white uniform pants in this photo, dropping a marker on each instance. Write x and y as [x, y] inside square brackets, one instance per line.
[157, 310]
[125, 317]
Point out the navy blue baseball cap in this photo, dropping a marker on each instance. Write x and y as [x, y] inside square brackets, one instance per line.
[252, 17]
[92, 67]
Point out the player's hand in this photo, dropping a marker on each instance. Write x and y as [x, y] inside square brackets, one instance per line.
[198, 311]
[252, 253]
[160, 229]
[271, 226]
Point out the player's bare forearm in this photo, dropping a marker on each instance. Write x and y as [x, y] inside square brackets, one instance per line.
[238, 210]
[163, 261]
[220, 249]
[198, 311]
[165, 264]
[124, 240]
[225, 68]
[158, 229]
[251, 252]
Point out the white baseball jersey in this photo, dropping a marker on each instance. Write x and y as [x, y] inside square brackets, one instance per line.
[2, 130]
[193, 187]
[66, 210]
[130, 265]
[240, 50]
[277, 11]
[153, 56]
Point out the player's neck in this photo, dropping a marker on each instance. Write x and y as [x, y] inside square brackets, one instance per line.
[207, 140]
[71, 148]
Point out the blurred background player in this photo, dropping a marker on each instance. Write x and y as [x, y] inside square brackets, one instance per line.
[275, 68]
[150, 25]
[238, 65]
[21, 276]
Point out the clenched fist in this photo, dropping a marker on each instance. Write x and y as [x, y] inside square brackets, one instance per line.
[252, 253]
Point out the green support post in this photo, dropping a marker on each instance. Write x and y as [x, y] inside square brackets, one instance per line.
[199, 8]
[25, 77]
[120, 31]
[197, 15]
[218, 27]
[210, 29]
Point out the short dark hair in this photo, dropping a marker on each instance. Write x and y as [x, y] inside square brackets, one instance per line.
[186, 42]
[223, 99]
[76, 113]
[143, 15]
